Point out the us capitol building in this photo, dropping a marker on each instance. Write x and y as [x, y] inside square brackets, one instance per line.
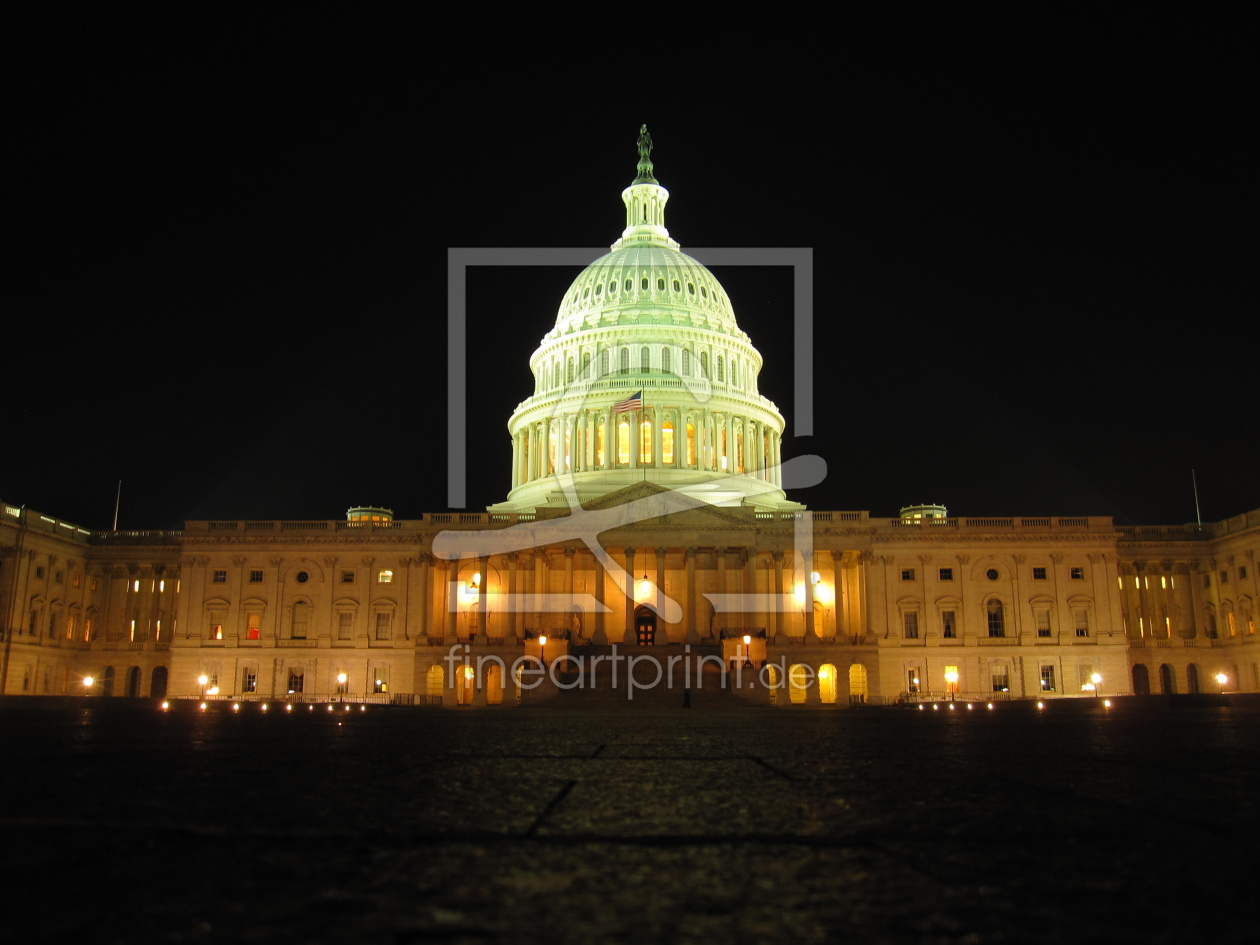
[647, 513]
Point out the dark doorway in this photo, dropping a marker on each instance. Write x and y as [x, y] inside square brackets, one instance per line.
[1167, 681]
[1141, 680]
[158, 688]
[133, 681]
[107, 681]
[645, 626]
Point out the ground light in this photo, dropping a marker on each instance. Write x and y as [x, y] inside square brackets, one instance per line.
[1041, 705]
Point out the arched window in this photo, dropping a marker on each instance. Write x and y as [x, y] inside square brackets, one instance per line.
[996, 618]
[569, 371]
[645, 283]
[645, 359]
[625, 360]
[645, 442]
[734, 373]
[686, 359]
[677, 288]
[551, 451]
[586, 365]
[691, 445]
[599, 444]
[559, 368]
[660, 285]
[603, 362]
[721, 376]
[739, 452]
[722, 454]
[301, 620]
[629, 284]
[568, 445]
[665, 361]
[623, 442]
[667, 442]
[704, 364]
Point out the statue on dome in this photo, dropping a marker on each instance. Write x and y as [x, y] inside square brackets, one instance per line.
[645, 158]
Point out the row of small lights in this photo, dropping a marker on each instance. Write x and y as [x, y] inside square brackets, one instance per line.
[288, 707]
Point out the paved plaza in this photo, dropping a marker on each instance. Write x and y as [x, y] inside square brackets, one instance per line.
[125, 823]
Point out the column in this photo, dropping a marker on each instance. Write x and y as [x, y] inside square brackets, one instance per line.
[540, 586]
[513, 596]
[569, 552]
[600, 636]
[483, 566]
[629, 609]
[424, 598]
[777, 565]
[807, 564]
[691, 594]
[721, 582]
[450, 599]
[662, 635]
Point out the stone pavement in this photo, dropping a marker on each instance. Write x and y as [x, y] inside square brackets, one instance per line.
[126, 824]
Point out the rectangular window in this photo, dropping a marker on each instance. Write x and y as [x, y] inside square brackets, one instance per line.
[1001, 676]
[347, 577]
[1047, 679]
[255, 577]
[253, 626]
[1083, 673]
[1242, 574]
[384, 626]
[59, 577]
[948, 626]
[385, 577]
[1224, 577]
[380, 679]
[1043, 623]
[216, 631]
[77, 579]
[220, 577]
[907, 574]
[1207, 580]
[295, 680]
[1039, 574]
[345, 625]
[249, 680]
[92, 584]
[1080, 617]
[946, 574]
[912, 679]
[1078, 574]
[910, 624]
[39, 572]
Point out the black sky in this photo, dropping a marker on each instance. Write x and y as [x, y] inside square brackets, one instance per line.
[1034, 287]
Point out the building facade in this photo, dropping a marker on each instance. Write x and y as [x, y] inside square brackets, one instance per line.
[647, 512]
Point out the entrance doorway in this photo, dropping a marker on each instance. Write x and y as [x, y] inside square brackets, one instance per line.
[645, 626]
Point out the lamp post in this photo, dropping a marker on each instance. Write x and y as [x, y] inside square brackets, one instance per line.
[951, 681]
[748, 650]
[542, 651]
[1221, 680]
[1094, 684]
[341, 686]
[201, 681]
[87, 685]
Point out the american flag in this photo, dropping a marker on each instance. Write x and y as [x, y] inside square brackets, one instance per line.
[633, 402]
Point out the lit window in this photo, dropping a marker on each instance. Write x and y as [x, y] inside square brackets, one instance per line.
[220, 577]
[907, 574]
[645, 442]
[295, 680]
[255, 577]
[667, 443]
[951, 678]
[691, 445]
[600, 458]
[77, 579]
[253, 625]
[946, 574]
[249, 680]
[92, 584]
[623, 443]
[216, 631]
[385, 577]
[135, 587]
[1039, 574]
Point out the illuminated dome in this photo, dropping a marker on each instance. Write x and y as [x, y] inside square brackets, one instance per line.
[645, 377]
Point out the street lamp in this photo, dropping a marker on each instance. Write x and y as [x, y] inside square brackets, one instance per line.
[951, 681]
[1094, 684]
[1221, 680]
[542, 650]
[202, 680]
[341, 685]
[748, 650]
[87, 685]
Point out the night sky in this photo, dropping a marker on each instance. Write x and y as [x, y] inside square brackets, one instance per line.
[1034, 269]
